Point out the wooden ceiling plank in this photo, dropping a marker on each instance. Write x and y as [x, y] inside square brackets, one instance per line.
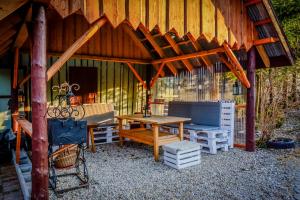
[178, 51]
[158, 49]
[6, 44]
[7, 35]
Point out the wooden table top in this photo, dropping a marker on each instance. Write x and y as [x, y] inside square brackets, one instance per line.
[154, 119]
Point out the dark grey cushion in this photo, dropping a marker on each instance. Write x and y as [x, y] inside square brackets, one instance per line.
[206, 113]
[179, 109]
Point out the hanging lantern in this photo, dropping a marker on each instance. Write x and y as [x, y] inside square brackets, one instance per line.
[236, 88]
[21, 97]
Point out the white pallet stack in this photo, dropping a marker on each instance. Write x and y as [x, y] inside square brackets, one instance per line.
[227, 120]
[211, 141]
[106, 134]
[182, 154]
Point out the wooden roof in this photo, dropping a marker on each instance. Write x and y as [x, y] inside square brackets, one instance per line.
[156, 29]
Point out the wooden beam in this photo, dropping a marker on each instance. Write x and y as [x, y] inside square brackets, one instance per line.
[251, 2]
[198, 48]
[21, 36]
[74, 47]
[104, 58]
[136, 74]
[178, 51]
[250, 106]
[131, 32]
[157, 75]
[7, 35]
[39, 107]
[263, 22]
[23, 32]
[24, 80]
[237, 66]
[16, 68]
[263, 55]
[265, 41]
[189, 56]
[158, 49]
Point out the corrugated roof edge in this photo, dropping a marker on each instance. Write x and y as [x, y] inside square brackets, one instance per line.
[270, 9]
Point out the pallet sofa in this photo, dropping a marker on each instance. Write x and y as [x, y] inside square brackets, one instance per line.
[212, 123]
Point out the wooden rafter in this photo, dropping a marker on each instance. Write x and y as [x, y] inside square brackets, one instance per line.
[129, 30]
[74, 47]
[236, 68]
[104, 58]
[158, 49]
[157, 75]
[178, 51]
[8, 7]
[23, 32]
[252, 2]
[263, 22]
[265, 41]
[136, 74]
[197, 47]
[189, 56]
[262, 52]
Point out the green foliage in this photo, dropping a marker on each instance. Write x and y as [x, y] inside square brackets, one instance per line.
[288, 12]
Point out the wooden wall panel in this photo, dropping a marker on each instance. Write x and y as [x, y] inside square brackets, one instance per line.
[176, 16]
[106, 42]
[115, 11]
[193, 17]
[208, 19]
[135, 13]
[222, 17]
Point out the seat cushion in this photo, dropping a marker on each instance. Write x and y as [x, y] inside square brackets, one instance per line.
[199, 127]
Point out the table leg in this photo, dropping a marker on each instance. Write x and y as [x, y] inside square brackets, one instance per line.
[155, 139]
[181, 131]
[121, 139]
[91, 133]
[18, 145]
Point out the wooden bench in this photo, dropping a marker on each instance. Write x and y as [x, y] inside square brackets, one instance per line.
[98, 114]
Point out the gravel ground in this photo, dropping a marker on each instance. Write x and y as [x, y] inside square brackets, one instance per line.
[129, 172]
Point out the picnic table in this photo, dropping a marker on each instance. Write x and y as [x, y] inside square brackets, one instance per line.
[154, 136]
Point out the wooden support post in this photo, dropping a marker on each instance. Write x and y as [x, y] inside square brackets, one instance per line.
[155, 142]
[181, 131]
[18, 144]
[250, 106]
[14, 107]
[75, 46]
[39, 108]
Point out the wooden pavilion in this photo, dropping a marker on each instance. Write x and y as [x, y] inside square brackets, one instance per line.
[42, 39]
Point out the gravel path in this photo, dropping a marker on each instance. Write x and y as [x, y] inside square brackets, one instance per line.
[131, 173]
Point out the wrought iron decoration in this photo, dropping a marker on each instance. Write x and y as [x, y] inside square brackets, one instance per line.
[63, 109]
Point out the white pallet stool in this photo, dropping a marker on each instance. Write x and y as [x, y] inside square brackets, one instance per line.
[106, 134]
[211, 141]
[182, 154]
